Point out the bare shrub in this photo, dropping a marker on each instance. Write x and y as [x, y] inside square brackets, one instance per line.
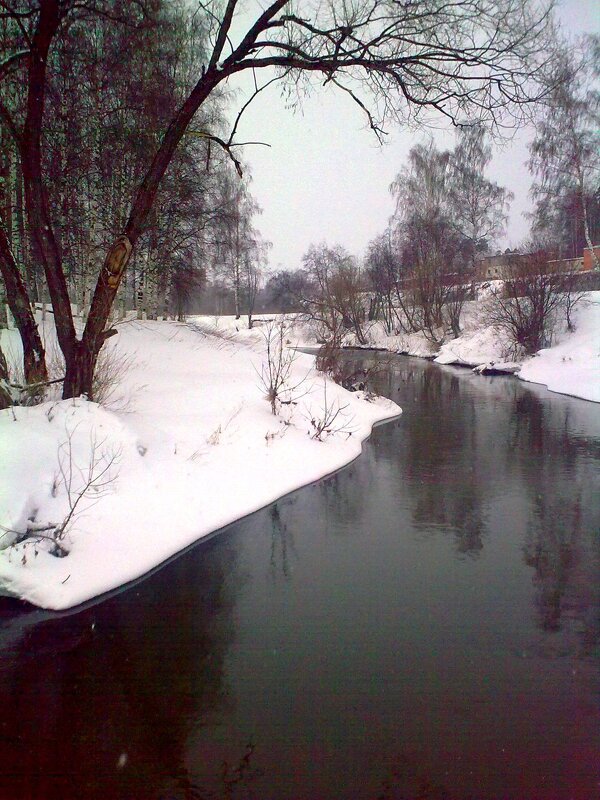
[332, 361]
[276, 371]
[87, 483]
[112, 367]
[14, 390]
[6, 392]
[329, 359]
[337, 301]
[331, 419]
[530, 304]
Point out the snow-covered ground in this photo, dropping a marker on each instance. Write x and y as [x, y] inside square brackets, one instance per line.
[187, 445]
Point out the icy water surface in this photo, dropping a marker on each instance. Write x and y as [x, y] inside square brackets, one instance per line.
[424, 624]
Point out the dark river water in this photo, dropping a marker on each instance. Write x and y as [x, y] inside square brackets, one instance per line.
[424, 624]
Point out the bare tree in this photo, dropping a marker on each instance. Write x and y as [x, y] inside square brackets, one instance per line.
[337, 302]
[478, 206]
[34, 357]
[565, 153]
[276, 372]
[472, 58]
[436, 256]
[383, 267]
[446, 212]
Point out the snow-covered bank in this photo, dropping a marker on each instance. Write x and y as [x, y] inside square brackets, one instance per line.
[189, 446]
[571, 366]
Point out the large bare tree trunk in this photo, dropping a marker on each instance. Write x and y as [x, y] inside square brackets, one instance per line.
[34, 358]
[24, 251]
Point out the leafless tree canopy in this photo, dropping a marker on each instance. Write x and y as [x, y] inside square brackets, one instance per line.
[467, 60]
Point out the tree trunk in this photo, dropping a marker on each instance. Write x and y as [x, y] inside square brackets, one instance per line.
[36, 201]
[34, 358]
[24, 250]
[236, 294]
[5, 395]
[81, 359]
[80, 368]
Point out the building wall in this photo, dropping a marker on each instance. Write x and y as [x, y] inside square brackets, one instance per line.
[588, 262]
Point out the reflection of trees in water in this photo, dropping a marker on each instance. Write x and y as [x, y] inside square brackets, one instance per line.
[282, 544]
[552, 549]
[555, 467]
[561, 550]
[343, 493]
[108, 715]
[438, 455]
[540, 429]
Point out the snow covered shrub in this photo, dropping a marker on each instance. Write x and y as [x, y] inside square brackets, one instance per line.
[86, 472]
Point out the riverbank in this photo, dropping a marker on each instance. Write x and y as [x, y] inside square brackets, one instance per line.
[186, 444]
[570, 366]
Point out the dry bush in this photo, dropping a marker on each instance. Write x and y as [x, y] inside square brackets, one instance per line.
[332, 361]
[534, 297]
[84, 486]
[330, 419]
[112, 367]
[14, 391]
[276, 371]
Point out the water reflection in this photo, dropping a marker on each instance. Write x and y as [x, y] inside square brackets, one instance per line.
[283, 550]
[421, 624]
[101, 703]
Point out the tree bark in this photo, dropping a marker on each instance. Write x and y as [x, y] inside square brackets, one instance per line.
[36, 201]
[34, 357]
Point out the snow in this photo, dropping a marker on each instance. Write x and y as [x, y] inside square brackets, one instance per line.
[572, 366]
[188, 445]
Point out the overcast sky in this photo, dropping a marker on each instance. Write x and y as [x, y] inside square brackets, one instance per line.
[325, 178]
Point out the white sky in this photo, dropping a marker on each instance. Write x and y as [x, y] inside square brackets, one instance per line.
[326, 178]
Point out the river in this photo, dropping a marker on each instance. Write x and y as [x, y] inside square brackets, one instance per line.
[423, 624]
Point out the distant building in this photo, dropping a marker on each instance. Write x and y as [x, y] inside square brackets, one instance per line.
[495, 268]
[588, 262]
[567, 264]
